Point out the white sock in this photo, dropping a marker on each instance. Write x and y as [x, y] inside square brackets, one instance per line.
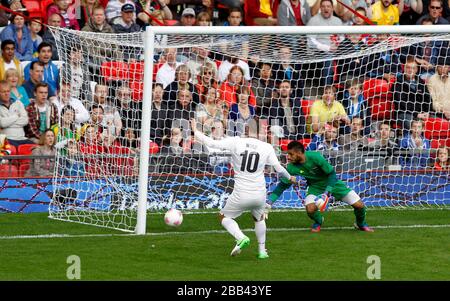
[233, 228]
[260, 231]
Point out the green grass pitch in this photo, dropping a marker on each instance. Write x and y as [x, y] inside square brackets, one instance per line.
[199, 249]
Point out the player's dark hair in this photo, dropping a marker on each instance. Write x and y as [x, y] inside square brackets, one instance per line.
[234, 9]
[384, 123]
[331, 1]
[34, 63]
[40, 85]
[97, 106]
[426, 20]
[8, 42]
[43, 45]
[297, 146]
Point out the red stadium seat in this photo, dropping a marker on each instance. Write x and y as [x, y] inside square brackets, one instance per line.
[125, 166]
[336, 76]
[8, 171]
[437, 143]
[103, 3]
[25, 150]
[379, 97]
[137, 90]
[155, 70]
[33, 8]
[170, 22]
[375, 87]
[306, 106]
[114, 70]
[284, 143]
[154, 148]
[305, 142]
[382, 107]
[136, 71]
[44, 5]
[13, 150]
[437, 128]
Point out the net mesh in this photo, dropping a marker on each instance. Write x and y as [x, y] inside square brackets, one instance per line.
[374, 105]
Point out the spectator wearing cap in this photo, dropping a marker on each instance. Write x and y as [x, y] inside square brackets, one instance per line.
[435, 10]
[439, 87]
[188, 17]
[35, 27]
[126, 23]
[114, 10]
[20, 34]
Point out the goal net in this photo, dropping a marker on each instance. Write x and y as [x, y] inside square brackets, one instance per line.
[375, 105]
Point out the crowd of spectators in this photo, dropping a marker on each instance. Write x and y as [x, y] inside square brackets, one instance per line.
[63, 107]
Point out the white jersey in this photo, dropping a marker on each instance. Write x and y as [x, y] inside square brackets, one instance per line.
[249, 157]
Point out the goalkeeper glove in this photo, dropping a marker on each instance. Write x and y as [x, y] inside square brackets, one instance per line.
[302, 184]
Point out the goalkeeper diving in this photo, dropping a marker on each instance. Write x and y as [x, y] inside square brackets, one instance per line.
[322, 184]
[249, 156]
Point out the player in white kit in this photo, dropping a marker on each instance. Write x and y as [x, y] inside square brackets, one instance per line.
[249, 156]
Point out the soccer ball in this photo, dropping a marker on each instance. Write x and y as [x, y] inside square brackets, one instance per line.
[173, 217]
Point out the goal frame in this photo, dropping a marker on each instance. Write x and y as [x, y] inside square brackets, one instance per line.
[149, 42]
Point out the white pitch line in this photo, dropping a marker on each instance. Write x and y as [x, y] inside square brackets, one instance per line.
[302, 209]
[45, 236]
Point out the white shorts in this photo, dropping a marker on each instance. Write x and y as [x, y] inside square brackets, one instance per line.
[240, 201]
[350, 198]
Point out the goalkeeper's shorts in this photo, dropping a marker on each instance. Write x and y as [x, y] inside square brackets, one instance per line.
[350, 198]
[339, 192]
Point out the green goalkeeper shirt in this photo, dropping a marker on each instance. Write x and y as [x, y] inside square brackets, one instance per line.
[319, 175]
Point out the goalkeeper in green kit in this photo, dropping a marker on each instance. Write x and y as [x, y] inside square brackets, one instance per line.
[322, 183]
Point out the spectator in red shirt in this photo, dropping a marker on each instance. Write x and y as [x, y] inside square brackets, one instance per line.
[90, 140]
[229, 87]
[261, 12]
